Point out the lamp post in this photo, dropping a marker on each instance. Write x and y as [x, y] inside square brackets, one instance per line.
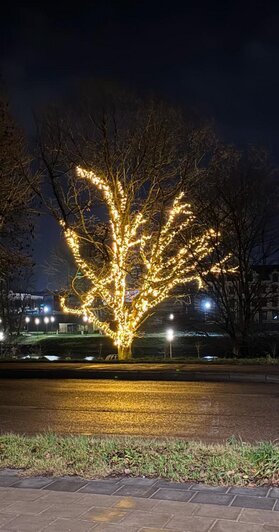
[27, 320]
[170, 337]
[206, 308]
[37, 323]
[2, 338]
[46, 321]
[85, 321]
[52, 320]
[171, 317]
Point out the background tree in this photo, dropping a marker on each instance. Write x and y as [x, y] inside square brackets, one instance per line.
[60, 268]
[16, 223]
[239, 200]
[121, 211]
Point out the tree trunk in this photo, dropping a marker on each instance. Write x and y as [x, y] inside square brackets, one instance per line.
[244, 346]
[124, 352]
[235, 346]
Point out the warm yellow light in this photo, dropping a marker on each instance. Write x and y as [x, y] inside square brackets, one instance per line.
[162, 269]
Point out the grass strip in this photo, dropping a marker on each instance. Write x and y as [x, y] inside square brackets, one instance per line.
[231, 463]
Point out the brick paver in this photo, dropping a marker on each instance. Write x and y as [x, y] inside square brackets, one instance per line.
[172, 495]
[259, 517]
[42, 504]
[232, 526]
[262, 503]
[212, 498]
[190, 523]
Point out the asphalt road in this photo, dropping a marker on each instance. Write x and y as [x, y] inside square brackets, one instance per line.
[141, 371]
[194, 410]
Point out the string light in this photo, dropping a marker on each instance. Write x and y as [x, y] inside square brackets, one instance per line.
[162, 268]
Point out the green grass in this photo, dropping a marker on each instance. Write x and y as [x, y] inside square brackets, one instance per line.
[145, 349]
[232, 463]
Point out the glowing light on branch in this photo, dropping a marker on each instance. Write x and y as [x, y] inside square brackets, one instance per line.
[163, 264]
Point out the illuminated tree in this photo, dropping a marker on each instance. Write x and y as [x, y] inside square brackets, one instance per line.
[152, 247]
[115, 168]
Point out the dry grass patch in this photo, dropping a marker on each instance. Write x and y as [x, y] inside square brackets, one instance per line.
[234, 463]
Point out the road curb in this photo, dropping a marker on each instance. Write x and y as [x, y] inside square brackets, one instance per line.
[176, 375]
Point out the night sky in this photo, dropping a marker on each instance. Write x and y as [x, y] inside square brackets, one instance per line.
[221, 58]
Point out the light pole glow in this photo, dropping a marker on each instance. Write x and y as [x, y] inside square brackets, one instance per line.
[2, 338]
[46, 321]
[170, 338]
[37, 323]
[206, 307]
[27, 321]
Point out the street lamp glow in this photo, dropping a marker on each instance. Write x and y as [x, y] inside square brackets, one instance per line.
[207, 305]
[46, 309]
[37, 321]
[27, 319]
[2, 336]
[170, 335]
[52, 319]
[171, 316]
[85, 318]
[46, 320]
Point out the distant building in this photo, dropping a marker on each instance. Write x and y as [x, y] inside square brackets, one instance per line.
[268, 313]
[265, 301]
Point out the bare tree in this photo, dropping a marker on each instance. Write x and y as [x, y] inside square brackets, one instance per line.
[60, 268]
[116, 173]
[238, 200]
[16, 214]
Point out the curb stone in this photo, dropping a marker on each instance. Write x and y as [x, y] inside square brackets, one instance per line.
[258, 498]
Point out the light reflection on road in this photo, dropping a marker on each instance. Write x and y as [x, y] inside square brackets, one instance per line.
[207, 411]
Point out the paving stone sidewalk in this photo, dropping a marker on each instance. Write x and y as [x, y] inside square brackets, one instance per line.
[132, 505]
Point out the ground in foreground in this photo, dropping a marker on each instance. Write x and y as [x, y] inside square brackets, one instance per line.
[234, 463]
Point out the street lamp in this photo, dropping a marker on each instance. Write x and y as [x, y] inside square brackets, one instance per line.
[206, 307]
[37, 323]
[85, 321]
[2, 338]
[170, 337]
[27, 320]
[171, 317]
[46, 321]
[46, 309]
[52, 320]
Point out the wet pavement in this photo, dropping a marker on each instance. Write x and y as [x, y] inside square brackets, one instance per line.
[209, 372]
[193, 410]
[133, 505]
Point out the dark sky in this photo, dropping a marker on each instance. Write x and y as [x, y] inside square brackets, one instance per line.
[221, 57]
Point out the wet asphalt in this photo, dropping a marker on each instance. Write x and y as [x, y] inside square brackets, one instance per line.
[193, 410]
